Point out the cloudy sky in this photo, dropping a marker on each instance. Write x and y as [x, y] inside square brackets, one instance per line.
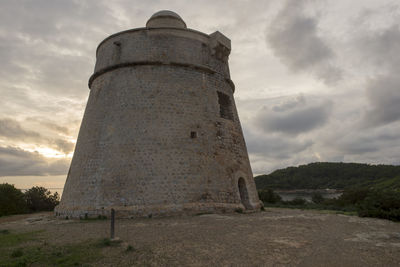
[315, 80]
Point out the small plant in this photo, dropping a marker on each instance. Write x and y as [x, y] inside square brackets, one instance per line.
[297, 202]
[317, 198]
[239, 210]
[17, 253]
[57, 253]
[105, 242]
[202, 213]
[129, 248]
[4, 231]
[88, 218]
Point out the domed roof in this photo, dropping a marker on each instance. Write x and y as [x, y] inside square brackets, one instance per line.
[166, 13]
[165, 19]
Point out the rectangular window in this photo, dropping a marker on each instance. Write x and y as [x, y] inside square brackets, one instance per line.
[225, 106]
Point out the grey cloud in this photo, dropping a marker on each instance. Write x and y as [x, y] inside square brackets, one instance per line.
[49, 124]
[269, 152]
[358, 146]
[62, 145]
[294, 39]
[50, 46]
[375, 142]
[275, 147]
[290, 104]
[17, 162]
[271, 145]
[383, 93]
[301, 117]
[12, 130]
[381, 49]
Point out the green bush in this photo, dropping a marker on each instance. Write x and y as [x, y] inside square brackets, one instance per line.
[296, 202]
[130, 248]
[269, 196]
[40, 199]
[12, 200]
[317, 198]
[353, 196]
[17, 253]
[380, 204]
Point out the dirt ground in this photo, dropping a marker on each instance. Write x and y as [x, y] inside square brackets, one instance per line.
[275, 237]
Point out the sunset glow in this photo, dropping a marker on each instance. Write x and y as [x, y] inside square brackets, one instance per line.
[315, 81]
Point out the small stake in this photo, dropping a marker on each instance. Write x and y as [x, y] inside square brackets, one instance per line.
[112, 223]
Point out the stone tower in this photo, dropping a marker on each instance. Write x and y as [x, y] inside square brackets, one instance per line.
[160, 134]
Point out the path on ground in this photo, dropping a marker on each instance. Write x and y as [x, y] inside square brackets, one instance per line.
[275, 237]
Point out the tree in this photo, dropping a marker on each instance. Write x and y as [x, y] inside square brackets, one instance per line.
[40, 199]
[269, 196]
[12, 200]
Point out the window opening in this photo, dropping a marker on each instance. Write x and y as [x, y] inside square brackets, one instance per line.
[225, 106]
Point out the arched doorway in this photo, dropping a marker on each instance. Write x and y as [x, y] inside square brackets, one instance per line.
[244, 195]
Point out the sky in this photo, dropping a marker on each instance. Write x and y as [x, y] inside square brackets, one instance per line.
[315, 80]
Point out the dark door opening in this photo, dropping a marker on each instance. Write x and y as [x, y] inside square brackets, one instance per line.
[244, 195]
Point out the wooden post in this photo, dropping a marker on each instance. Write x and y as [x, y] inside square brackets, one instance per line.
[112, 223]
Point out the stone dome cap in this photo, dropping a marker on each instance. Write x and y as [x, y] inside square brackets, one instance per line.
[165, 19]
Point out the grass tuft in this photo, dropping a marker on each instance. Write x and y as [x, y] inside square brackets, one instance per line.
[78, 254]
[87, 218]
[4, 232]
[107, 242]
[17, 253]
[239, 210]
[8, 239]
[129, 248]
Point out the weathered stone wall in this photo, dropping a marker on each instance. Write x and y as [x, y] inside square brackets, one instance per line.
[152, 140]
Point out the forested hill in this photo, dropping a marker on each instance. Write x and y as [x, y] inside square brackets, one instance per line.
[322, 175]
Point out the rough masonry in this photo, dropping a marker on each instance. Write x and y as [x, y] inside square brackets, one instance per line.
[160, 134]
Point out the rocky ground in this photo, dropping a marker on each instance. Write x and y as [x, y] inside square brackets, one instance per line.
[275, 237]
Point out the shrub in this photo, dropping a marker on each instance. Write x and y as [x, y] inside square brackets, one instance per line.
[269, 196]
[296, 202]
[130, 248]
[12, 200]
[317, 198]
[239, 210]
[380, 204]
[17, 253]
[105, 242]
[40, 199]
[353, 196]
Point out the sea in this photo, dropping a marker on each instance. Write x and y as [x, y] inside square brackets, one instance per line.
[288, 195]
